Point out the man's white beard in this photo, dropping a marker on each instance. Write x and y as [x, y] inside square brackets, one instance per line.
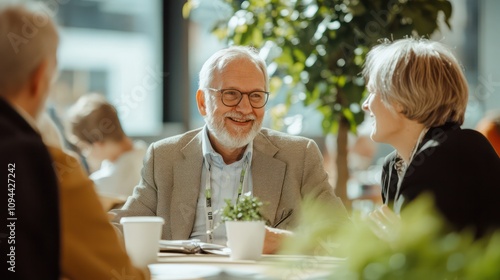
[216, 126]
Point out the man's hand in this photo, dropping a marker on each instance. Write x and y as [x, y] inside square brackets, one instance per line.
[273, 239]
[111, 216]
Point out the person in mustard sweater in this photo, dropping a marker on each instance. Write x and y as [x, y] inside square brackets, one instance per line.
[90, 247]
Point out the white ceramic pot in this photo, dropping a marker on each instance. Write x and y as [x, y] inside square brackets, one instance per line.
[246, 239]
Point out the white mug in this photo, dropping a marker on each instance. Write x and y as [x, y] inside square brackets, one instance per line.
[142, 235]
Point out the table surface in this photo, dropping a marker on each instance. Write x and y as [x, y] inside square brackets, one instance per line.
[222, 267]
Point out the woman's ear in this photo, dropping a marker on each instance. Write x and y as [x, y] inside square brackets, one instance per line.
[398, 107]
[201, 102]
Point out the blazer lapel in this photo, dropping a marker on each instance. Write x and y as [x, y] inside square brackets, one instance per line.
[268, 175]
[187, 174]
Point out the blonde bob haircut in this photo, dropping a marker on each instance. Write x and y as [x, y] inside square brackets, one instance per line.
[423, 77]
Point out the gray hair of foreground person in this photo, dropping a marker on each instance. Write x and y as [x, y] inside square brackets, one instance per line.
[28, 37]
[214, 67]
[422, 76]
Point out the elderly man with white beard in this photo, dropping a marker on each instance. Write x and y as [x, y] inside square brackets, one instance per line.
[230, 155]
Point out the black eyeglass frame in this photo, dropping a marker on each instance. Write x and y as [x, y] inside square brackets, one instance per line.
[241, 96]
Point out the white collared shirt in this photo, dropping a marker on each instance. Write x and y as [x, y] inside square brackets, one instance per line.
[224, 180]
[119, 177]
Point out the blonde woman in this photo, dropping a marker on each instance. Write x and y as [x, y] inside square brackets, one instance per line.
[417, 100]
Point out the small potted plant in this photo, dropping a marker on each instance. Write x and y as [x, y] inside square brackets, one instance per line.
[245, 227]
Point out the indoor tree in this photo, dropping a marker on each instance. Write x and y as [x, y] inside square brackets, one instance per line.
[321, 47]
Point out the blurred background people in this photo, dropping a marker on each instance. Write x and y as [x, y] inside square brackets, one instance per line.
[117, 160]
[363, 186]
[417, 101]
[489, 126]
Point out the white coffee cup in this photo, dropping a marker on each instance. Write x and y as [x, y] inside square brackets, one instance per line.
[142, 235]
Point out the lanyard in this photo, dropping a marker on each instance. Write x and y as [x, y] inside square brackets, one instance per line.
[208, 198]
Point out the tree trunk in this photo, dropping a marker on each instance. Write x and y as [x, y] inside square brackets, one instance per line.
[341, 162]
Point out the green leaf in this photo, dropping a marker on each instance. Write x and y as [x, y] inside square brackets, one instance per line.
[424, 243]
[186, 8]
[257, 37]
[247, 208]
[338, 52]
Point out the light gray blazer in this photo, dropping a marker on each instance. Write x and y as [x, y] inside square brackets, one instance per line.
[284, 170]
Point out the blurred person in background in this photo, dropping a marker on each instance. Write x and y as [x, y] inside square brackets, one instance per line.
[417, 99]
[489, 126]
[95, 126]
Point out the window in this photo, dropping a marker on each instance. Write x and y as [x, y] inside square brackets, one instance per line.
[112, 47]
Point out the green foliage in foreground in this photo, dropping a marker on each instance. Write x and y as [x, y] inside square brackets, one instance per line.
[424, 249]
[246, 209]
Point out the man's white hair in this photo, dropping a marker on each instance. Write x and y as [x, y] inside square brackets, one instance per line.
[28, 35]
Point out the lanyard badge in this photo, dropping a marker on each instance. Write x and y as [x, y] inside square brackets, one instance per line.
[208, 199]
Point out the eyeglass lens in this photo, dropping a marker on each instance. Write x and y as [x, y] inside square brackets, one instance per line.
[232, 97]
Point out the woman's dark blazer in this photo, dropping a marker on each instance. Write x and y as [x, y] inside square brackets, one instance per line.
[460, 168]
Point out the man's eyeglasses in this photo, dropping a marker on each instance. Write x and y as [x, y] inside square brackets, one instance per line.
[232, 97]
